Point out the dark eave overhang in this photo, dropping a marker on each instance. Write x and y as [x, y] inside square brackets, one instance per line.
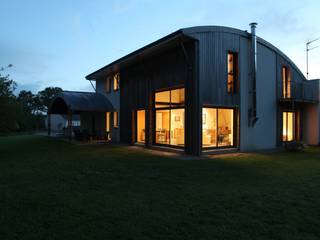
[138, 54]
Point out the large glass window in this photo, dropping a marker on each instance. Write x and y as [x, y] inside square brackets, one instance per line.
[286, 83]
[170, 117]
[288, 126]
[141, 123]
[217, 127]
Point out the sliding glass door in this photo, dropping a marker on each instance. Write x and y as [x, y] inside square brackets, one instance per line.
[217, 127]
[169, 119]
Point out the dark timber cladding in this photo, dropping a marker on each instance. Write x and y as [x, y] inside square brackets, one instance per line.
[173, 66]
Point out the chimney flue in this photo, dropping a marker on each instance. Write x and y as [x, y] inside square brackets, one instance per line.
[253, 111]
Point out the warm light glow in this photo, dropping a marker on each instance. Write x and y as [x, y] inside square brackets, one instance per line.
[116, 81]
[107, 121]
[177, 127]
[162, 99]
[170, 118]
[217, 127]
[141, 116]
[115, 119]
[171, 98]
[288, 126]
[232, 57]
[163, 126]
[286, 83]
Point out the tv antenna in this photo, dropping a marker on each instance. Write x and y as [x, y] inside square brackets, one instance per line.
[308, 48]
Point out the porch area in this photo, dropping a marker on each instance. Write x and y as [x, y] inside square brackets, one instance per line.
[91, 107]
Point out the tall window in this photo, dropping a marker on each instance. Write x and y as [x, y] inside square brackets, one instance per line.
[217, 127]
[108, 125]
[141, 123]
[290, 126]
[232, 72]
[107, 85]
[286, 83]
[115, 119]
[170, 117]
[116, 81]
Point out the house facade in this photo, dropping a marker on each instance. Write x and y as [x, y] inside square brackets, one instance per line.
[205, 88]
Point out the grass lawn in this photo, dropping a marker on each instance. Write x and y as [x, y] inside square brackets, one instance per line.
[51, 189]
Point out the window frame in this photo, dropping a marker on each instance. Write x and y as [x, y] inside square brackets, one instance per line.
[235, 126]
[235, 72]
[296, 126]
[286, 82]
[116, 79]
[136, 125]
[107, 86]
[170, 107]
[116, 119]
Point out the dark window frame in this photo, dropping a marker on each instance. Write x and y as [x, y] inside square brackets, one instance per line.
[154, 110]
[116, 120]
[107, 85]
[235, 126]
[234, 73]
[296, 126]
[116, 77]
[286, 80]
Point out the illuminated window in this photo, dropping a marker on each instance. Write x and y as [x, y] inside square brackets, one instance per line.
[107, 121]
[107, 85]
[217, 127]
[162, 99]
[171, 98]
[116, 81]
[289, 127]
[141, 116]
[108, 125]
[286, 83]
[232, 72]
[115, 119]
[170, 117]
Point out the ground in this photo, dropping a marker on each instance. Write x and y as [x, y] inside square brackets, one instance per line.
[52, 189]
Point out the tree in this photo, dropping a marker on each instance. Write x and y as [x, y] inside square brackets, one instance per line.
[26, 99]
[10, 110]
[7, 86]
[46, 96]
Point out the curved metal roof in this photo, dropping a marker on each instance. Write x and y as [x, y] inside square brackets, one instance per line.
[80, 102]
[190, 33]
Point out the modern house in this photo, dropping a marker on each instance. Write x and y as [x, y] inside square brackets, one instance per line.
[200, 89]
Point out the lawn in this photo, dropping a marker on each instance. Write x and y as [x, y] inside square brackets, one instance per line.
[51, 189]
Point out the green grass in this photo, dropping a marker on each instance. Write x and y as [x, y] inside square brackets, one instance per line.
[51, 189]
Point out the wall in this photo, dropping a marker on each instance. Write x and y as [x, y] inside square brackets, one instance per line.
[166, 69]
[114, 98]
[264, 134]
[311, 124]
[213, 49]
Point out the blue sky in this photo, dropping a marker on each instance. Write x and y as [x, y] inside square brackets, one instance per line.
[57, 43]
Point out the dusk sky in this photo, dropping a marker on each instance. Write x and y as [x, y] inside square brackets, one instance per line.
[57, 43]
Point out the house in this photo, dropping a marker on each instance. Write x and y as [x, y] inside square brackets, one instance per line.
[200, 89]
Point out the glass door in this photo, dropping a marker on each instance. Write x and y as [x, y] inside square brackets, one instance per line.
[141, 124]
